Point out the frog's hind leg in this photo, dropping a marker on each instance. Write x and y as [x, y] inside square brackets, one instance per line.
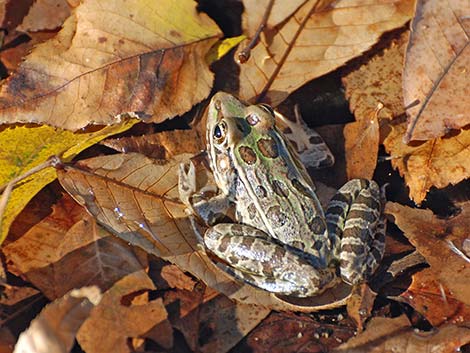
[357, 228]
[252, 256]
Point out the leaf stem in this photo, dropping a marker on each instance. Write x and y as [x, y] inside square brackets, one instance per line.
[286, 53]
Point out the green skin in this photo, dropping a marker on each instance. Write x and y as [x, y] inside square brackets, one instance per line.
[282, 242]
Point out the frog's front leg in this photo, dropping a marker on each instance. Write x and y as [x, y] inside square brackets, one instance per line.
[356, 227]
[204, 204]
[252, 256]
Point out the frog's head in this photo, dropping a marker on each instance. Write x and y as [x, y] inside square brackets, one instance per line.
[231, 125]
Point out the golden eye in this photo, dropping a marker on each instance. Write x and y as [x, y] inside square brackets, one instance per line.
[220, 132]
[267, 108]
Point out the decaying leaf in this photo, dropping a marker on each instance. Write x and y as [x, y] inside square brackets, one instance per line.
[113, 57]
[317, 40]
[362, 146]
[374, 93]
[255, 10]
[360, 305]
[434, 301]
[439, 241]
[396, 335]
[210, 322]
[25, 147]
[162, 145]
[436, 69]
[54, 330]
[46, 15]
[116, 319]
[137, 199]
[290, 332]
[438, 162]
[69, 241]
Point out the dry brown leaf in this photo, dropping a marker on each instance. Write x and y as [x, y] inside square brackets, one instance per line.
[175, 278]
[53, 331]
[12, 13]
[374, 84]
[395, 335]
[361, 147]
[7, 340]
[328, 39]
[113, 57]
[360, 305]
[137, 198]
[211, 322]
[437, 162]
[255, 10]
[45, 15]
[69, 241]
[437, 69]
[114, 320]
[291, 332]
[439, 241]
[432, 300]
[162, 145]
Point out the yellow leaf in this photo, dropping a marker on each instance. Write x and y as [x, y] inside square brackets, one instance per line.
[25, 147]
[222, 47]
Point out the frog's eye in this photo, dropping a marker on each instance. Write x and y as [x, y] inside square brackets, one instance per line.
[267, 108]
[220, 132]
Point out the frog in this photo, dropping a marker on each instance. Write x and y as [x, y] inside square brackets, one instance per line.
[281, 240]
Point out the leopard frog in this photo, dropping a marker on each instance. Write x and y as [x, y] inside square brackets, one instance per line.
[282, 241]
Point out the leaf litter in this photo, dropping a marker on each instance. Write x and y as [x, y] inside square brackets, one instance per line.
[134, 195]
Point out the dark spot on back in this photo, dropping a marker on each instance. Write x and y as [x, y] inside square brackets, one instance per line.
[301, 188]
[280, 188]
[261, 191]
[317, 225]
[277, 217]
[102, 39]
[252, 210]
[247, 154]
[268, 148]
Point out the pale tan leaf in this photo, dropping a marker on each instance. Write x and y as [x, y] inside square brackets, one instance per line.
[377, 81]
[436, 70]
[45, 15]
[255, 10]
[137, 198]
[70, 242]
[113, 57]
[114, 321]
[54, 330]
[329, 38]
[395, 335]
[439, 241]
[438, 162]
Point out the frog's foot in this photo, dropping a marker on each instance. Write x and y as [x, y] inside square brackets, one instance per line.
[312, 149]
[252, 256]
[357, 228]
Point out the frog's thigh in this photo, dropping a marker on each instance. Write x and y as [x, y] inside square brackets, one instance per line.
[254, 258]
[354, 216]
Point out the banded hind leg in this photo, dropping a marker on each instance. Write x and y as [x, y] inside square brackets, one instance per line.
[252, 256]
[356, 227]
